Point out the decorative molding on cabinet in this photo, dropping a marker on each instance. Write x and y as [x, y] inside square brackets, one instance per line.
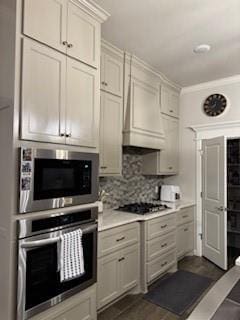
[93, 9]
[137, 62]
[211, 84]
[113, 49]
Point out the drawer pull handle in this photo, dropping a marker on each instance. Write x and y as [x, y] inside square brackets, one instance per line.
[164, 264]
[164, 245]
[164, 226]
[103, 167]
[185, 216]
[121, 259]
[120, 239]
[186, 229]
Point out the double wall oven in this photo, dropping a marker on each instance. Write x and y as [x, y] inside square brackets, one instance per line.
[56, 178]
[39, 285]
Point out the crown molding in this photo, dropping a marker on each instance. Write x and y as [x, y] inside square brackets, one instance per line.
[93, 9]
[215, 126]
[211, 84]
[113, 49]
[132, 59]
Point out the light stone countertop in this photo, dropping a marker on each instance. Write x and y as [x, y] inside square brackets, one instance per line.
[111, 218]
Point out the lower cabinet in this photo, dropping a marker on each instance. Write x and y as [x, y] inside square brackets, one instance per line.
[185, 231]
[117, 273]
[185, 241]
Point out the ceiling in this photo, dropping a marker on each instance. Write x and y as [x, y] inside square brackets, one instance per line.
[164, 33]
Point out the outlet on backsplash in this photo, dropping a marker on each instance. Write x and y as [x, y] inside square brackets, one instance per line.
[132, 186]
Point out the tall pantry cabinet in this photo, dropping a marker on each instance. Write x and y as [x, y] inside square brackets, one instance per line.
[111, 110]
[60, 72]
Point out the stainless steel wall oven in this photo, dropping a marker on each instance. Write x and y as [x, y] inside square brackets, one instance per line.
[39, 285]
[56, 178]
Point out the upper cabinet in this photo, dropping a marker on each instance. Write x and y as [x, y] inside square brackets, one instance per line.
[60, 97]
[43, 93]
[169, 101]
[111, 69]
[164, 162]
[83, 36]
[68, 26]
[143, 125]
[46, 21]
[110, 135]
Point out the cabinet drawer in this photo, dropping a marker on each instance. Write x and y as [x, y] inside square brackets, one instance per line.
[185, 215]
[159, 226]
[160, 245]
[117, 238]
[159, 265]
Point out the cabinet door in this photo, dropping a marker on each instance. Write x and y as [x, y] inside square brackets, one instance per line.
[45, 21]
[169, 102]
[83, 36]
[110, 134]
[83, 104]
[43, 93]
[108, 285]
[168, 157]
[129, 268]
[185, 240]
[112, 75]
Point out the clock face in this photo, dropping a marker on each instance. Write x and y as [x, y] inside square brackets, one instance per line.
[214, 105]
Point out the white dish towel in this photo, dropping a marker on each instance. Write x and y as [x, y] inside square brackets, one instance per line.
[71, 255]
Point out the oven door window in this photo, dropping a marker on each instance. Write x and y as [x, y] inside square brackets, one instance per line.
[61, 178]
[43, 277]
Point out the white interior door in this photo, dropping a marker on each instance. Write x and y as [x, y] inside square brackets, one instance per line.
[214, 201]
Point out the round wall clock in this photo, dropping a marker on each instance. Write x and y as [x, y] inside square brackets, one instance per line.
[215, 104]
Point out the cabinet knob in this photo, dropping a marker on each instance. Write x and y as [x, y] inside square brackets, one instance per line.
[171, 111]
[70, 45]
[64, 43]
[62, 134]
[186, 229]
[170, 168]
[68, 135]
[103, 83]
[106, 84]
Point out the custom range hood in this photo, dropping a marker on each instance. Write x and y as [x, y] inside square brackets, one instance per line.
[143, 125]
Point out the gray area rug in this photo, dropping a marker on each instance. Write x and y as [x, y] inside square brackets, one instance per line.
[178, 291]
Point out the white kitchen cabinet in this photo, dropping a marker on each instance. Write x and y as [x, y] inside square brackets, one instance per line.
[185, 231]
[43, 93]
[118, 262]
[117, 273]
[46, 21]
[110, 135]
[108, 279]
[83, 35]
[83, 100]
[165, 162]
[111, 74]
[169, 101]
[60, 98]
[66, 26]
[185, 241]
[129, 275]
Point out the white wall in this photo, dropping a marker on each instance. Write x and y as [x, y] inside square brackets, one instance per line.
[191, 113]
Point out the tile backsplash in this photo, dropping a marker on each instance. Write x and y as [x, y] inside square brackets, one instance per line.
[132, 186]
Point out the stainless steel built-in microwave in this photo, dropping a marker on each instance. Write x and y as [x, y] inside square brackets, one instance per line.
[56, 178]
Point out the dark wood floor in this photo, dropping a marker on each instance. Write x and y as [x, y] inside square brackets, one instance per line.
[136, 308]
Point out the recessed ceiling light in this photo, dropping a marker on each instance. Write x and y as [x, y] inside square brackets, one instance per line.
[202, 48]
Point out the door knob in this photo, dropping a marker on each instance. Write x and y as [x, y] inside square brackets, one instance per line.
[221, 208]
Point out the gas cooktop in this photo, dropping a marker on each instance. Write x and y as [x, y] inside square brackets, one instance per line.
[143, 208]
